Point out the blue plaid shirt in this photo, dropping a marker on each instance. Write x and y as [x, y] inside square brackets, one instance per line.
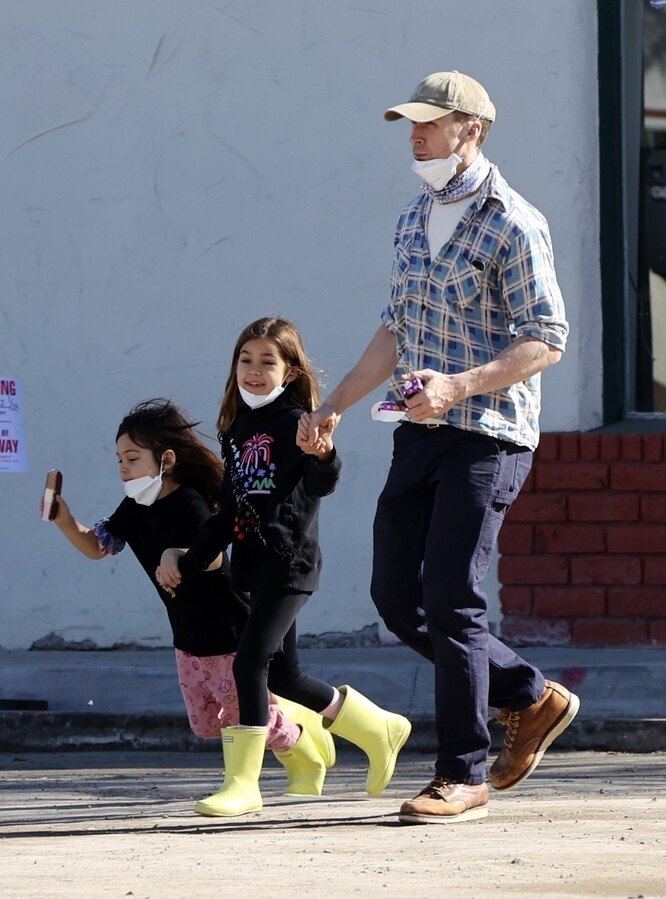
[492, 282]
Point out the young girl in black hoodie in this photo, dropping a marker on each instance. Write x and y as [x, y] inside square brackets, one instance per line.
[269, 508]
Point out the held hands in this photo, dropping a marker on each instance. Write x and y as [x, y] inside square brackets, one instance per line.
[167, 573]
[324, 418]
[316, 439]
[440, 393]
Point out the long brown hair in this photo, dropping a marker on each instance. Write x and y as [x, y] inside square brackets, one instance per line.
[304, 387]
[158, 425]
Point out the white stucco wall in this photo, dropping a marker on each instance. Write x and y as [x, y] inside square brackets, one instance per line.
[171, 170]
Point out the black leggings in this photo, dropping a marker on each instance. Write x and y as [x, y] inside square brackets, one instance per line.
[267, 658]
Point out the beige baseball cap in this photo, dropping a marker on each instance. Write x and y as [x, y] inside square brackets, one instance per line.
[442, 93]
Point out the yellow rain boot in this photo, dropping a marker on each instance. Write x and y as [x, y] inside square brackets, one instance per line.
[304, 766]
[381, 735]
[314, 724]
[243, 757]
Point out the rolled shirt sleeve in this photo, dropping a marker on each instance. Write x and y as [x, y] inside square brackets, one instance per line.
[528, 283]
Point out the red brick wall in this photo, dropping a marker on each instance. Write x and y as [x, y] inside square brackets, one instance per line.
[583, 548]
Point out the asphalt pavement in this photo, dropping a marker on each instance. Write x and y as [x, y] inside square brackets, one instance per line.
[98, 824]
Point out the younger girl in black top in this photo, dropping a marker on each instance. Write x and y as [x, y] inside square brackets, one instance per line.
[172, 481]
[269, 507]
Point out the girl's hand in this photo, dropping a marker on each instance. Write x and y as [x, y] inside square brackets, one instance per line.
[168, 572]
[322, 447]
[63, 516]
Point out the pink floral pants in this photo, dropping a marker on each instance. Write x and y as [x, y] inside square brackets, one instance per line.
[208, 688]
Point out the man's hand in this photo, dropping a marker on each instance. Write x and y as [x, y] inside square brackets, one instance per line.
[168, 572]
[440, 393]
[517, 362]
[322, 448]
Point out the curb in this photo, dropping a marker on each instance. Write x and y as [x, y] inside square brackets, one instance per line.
[25, 731]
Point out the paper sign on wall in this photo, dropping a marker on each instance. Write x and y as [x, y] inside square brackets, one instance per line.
[12, 444]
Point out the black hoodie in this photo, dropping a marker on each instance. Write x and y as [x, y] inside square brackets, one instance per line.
[207, 616]
[269, 509]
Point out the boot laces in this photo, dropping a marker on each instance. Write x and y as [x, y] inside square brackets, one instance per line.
[436, 788]
[510, 720]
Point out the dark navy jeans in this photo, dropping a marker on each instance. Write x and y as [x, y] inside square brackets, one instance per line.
[435, 530]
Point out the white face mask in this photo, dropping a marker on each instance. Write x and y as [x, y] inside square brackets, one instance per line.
[437, 172]
[256, 402]
[144, 490]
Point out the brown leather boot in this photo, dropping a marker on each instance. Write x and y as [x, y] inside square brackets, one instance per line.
[530, 732]
[444, 802]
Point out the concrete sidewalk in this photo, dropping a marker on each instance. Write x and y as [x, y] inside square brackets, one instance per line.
[131, 699]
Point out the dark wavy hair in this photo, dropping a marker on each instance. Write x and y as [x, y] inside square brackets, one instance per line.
[304, 387]
[159, 425]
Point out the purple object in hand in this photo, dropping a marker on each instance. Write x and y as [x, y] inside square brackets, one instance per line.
[409, 388]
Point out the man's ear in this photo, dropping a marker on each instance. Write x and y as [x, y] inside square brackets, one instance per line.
[474, 130]
[168, 459]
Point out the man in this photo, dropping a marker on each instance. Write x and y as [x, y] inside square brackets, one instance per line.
[475, 314]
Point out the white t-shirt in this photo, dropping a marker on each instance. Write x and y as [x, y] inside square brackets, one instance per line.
[442, 220]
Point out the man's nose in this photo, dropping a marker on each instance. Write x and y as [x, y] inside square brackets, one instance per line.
[417, 135]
